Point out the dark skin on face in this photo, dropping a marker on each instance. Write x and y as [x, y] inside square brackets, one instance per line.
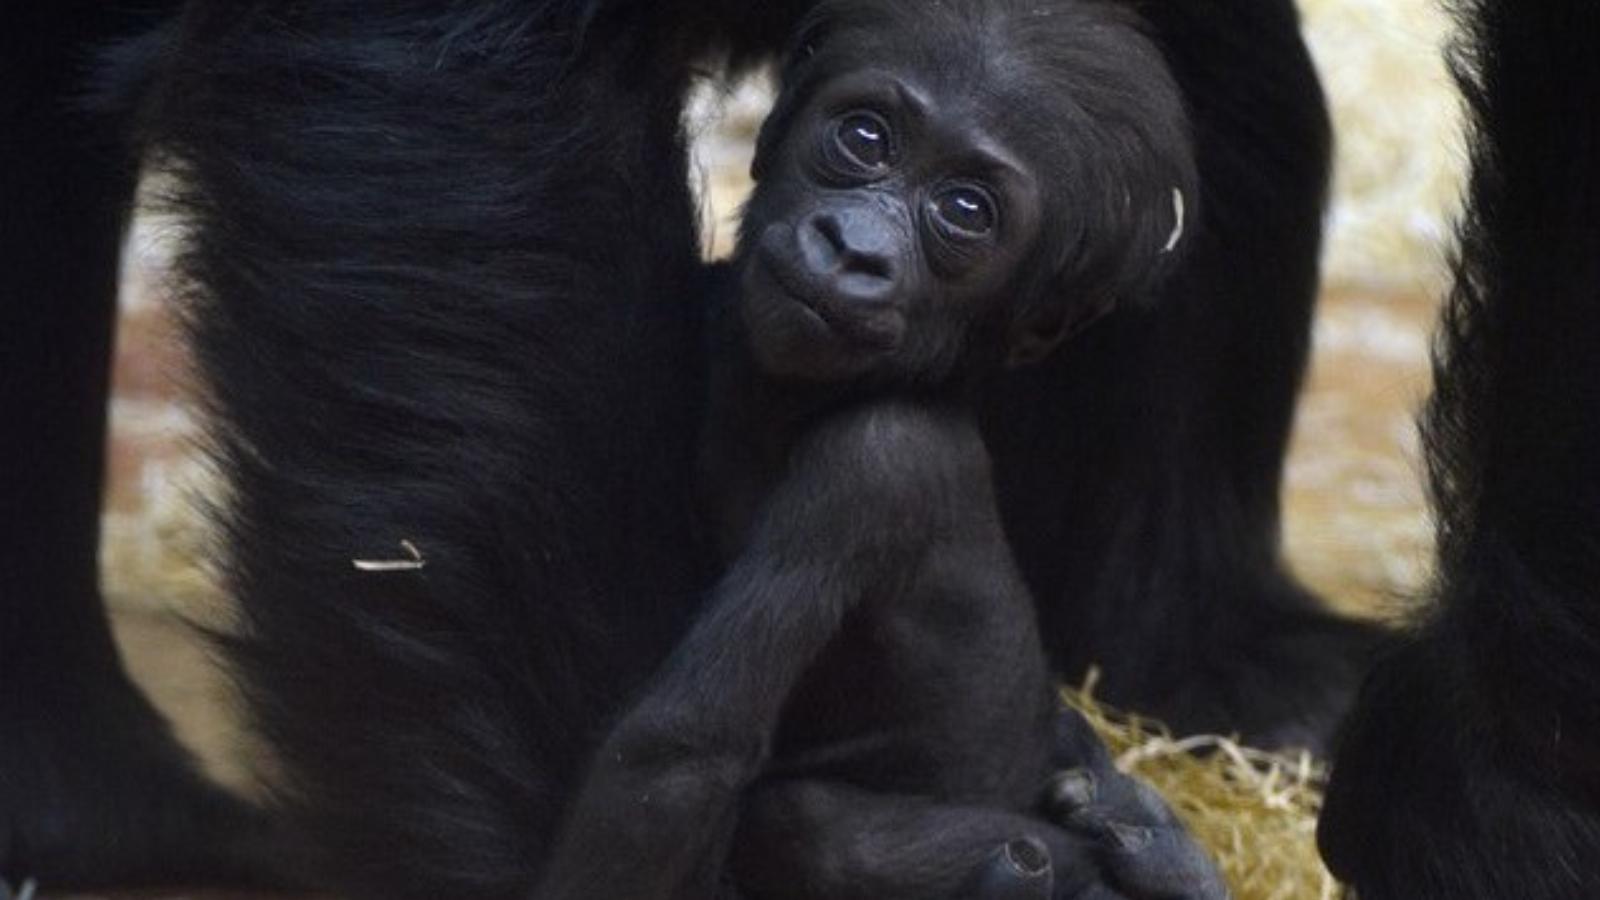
[884, 237]
[864, 709]
[896, 226]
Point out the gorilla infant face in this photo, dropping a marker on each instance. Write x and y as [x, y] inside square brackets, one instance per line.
[940, 190]
[894, 218]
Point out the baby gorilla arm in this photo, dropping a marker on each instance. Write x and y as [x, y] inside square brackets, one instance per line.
[664, 787]
[861, 503]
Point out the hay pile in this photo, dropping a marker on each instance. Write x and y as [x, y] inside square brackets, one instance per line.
[1255, 811]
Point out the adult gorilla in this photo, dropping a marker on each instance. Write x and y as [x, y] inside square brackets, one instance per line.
[444, 262]
[1471, 768]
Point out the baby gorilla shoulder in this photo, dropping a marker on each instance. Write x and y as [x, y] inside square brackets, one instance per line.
[911, 466]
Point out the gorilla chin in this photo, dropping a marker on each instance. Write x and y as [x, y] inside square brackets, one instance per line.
[798, 329]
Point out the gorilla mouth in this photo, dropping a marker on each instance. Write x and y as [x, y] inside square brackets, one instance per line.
[809, 300]
[876, 331]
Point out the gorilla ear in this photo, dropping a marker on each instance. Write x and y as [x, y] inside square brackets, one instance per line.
[1149, 249]
[1038, 332]
[772, 133]
[763, 150]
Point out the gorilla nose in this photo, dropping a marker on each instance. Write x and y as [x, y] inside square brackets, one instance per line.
[851, 253]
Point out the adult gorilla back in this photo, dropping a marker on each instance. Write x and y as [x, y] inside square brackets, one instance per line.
[445, 274]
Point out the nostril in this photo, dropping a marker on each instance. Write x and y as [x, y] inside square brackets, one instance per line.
[830, 229]
[822, 244]
[871, 264]
[848, 245]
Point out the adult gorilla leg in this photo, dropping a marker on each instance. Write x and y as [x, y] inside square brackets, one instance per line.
[1139, 472]
[447, 313]
[1471, 766]
[93, 787]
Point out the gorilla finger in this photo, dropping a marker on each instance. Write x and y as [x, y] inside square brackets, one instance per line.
[1144, 804]
[1018, 870]
[1161, 864]
[1086, 801]
[1070, 792]
[1076, 743]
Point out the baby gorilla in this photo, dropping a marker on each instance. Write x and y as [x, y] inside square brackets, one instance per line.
[864, 708]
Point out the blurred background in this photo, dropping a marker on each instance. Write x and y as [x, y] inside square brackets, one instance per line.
[1355, 525]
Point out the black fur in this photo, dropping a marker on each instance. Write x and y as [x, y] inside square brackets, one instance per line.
[1139, 474]
[864, 704]
[445, 292]
[467, 240]
[93, 786]
[1471, 767]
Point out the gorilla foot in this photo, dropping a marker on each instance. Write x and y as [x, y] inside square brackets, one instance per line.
[1145, 851]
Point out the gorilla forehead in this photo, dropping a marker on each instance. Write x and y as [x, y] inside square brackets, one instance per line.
[999, 50]
[1049, 78]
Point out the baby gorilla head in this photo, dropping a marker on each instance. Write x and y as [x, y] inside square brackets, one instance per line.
[943, 185]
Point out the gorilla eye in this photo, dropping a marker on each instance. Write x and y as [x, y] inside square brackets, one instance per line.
[965, 210]
[865, 140]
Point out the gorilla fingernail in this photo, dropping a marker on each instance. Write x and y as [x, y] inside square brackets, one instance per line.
[1071, 791]
[1130, 838]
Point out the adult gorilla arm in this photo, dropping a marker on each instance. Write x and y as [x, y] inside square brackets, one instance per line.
[445, 291]
[1139, 473]
[1471, 766]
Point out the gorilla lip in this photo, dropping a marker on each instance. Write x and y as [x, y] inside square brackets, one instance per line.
[867, 329]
